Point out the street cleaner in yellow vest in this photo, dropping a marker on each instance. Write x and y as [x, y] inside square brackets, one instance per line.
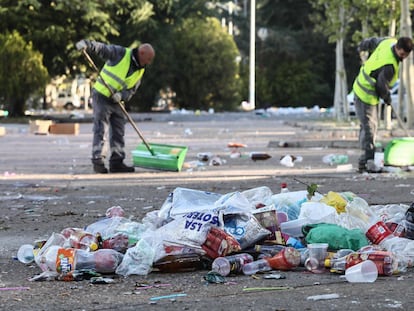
[122, 72]
[376, 76]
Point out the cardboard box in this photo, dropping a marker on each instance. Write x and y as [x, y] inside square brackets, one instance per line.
[40, 127]
[64, 129]
[2, 131]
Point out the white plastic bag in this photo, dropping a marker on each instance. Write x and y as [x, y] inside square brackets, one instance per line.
[184, 200]
[318, 212]
[137, 260]
[258, 197]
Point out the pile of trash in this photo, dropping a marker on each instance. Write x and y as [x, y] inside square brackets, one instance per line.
[244, 232]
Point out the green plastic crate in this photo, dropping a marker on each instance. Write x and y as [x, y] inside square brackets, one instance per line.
[166, 157]
[400, 152]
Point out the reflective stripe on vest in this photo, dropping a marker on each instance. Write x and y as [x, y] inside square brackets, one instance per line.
[116, 76]
[364, 85]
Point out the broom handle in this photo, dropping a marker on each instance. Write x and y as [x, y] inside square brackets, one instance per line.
[400, 121]
[119, 103]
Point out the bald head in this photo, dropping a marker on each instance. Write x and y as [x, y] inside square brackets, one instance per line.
[146, 54]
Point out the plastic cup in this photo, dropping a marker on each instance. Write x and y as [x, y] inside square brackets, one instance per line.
[25, 253]
[364, 272]
[317, 255]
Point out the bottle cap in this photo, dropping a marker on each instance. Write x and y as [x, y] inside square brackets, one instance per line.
[93, 246]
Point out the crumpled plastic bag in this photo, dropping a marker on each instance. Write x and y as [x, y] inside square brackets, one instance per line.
[258, 197]
[335, 200]
[318, 212]
[336, 236]
[137, 260]
[109, 227]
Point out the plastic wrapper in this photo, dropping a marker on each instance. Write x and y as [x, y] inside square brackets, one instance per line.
[219, 243]
[268, 217]
[245, 229]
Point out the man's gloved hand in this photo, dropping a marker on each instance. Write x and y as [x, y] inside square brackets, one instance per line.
[117, 97]
[81, 45]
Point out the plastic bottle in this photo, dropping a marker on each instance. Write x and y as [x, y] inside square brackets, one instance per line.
[118, 242]
[402, 249]
[259, 156]
[284, 188]
[332, 159]
[293, 242]
[179, 263]
[379, 158]
[268, 250]
[337, 263]
[231, 264]
[385, 261]
[79, 238]
[66, 260]
[369, 222]
[286, 259]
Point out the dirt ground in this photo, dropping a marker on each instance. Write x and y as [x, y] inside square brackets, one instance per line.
[47, 184]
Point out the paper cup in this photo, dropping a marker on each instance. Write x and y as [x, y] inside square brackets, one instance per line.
[364, 272]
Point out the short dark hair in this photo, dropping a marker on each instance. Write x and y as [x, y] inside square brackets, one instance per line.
[405, 43]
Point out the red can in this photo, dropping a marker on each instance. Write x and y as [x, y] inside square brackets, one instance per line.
[378, 232]
[384, 261]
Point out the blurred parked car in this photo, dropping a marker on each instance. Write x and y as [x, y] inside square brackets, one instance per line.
[394, 98]
[67, 101]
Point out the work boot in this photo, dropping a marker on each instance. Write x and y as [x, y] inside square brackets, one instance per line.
[120, 167]
[362, 167]
[100, 168]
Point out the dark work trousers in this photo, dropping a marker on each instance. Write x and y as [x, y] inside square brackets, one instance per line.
[368, 118]
[108, 124]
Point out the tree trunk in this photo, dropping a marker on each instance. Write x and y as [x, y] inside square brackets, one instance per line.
[340, 99]
[407, 66]
[16, 107]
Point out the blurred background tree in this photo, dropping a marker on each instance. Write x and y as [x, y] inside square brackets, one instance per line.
[202, 47]
[21, 72]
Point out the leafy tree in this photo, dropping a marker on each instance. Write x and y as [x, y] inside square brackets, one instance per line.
[205, 65]
[294, 64]
[162, 73]
[21, 71]
[55, 26]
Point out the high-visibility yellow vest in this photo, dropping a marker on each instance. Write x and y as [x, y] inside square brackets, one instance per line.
[116, 76]
[364, 85]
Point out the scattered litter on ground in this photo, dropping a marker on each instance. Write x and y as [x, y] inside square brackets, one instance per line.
[323, 297]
